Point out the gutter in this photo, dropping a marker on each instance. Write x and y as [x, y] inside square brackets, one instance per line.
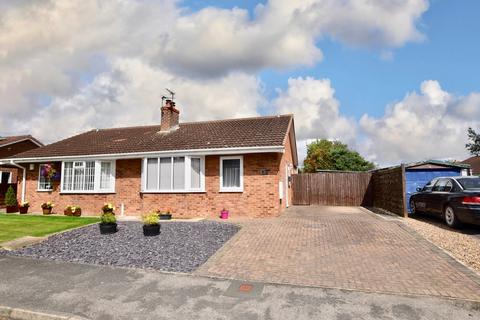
[135, 155]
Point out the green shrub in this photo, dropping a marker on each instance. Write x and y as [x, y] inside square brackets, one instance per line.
[108, 218]
[10, 197]
[150, 218]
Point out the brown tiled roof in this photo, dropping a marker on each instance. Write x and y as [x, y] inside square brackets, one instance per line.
[474, 162]
[233, 133]
[14, 139]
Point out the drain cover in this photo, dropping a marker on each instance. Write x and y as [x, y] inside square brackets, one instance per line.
[242, 289]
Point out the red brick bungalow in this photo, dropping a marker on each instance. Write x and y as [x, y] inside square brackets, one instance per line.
[195, 168]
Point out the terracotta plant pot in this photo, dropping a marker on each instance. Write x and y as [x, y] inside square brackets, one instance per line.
[108, 228]
[11, 209]
[47, 211]
[151, 230]
[67, 212]
[23, 210]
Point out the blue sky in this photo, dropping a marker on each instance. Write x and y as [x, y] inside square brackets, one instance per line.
[382, 76]
[365, 82]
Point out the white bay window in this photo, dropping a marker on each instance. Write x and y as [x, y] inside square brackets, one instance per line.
[173, 174]
[88, 177]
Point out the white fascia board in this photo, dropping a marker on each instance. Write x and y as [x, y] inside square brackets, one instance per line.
[137, 155]
[17, 141]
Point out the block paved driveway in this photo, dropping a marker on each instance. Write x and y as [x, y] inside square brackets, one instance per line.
[341, 247]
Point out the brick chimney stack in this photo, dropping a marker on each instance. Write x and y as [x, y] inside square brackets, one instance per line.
[170, 116]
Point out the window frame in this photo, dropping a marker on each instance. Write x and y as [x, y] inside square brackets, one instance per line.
[38, 180]
[10, 175]
[97, 177]
[187, 175]
[231, 189]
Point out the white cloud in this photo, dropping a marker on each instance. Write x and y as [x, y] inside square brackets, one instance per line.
[317, 112]
[283, 33]
[431, 124]
[131, 93]
[68, 66]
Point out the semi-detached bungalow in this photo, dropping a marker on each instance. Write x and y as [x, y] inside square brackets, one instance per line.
[194, 169]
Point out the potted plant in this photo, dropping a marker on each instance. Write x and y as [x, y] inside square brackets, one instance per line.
[73, 211]
[48, 171]
[108, 208]
[165, 215]
[47, 207]
[151, 227]
[108, 223]
[23, 207]
[11, 200]
[224, 214]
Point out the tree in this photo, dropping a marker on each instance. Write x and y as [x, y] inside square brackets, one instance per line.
[474, 145]
[10, 197]
[334, 155]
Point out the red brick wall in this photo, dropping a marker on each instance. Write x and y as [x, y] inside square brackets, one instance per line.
[286, 159]
[259, 199]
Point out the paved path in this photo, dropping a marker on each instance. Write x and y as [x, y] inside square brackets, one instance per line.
[341, 247]
[104, 293]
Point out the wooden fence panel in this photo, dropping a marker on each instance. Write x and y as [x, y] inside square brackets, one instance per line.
[332, 188]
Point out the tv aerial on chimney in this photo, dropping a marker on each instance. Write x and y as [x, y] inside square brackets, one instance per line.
[172, 94]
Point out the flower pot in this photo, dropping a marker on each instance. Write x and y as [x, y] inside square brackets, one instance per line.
[23, 210]
[67, 212]
[47, 211]
[224, 214]
[108, 228]
[165, 216]
[151, 230]
[12, 209]
[77, 213]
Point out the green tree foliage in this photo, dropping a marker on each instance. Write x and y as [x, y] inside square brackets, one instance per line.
[333, 155]
[10, 197]
[474, 142]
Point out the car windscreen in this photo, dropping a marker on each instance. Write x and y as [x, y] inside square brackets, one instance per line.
[470, 183]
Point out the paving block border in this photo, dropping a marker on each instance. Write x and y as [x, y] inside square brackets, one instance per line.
[8, 313]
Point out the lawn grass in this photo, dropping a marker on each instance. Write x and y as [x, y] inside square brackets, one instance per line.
[14, 226]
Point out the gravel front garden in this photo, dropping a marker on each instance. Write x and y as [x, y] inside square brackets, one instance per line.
[465, 247]
[180, 247]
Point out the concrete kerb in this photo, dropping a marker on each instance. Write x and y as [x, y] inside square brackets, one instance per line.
[22, 314]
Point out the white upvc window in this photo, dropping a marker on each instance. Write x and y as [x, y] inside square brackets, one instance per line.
[88, 177]
[173, 174]
[231, 174]
[5, 177]
[44, 183]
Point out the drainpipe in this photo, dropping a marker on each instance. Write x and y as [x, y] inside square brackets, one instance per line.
[24, 179]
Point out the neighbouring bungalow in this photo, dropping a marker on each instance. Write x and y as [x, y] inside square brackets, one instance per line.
[195, 169]
[10, 146]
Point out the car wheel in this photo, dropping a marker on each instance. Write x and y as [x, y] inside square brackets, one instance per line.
[413, 208]
[450, 217]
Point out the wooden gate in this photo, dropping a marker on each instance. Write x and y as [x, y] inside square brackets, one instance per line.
[336, 188]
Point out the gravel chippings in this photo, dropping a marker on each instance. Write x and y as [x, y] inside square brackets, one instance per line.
[180, 247]
[465, 247]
